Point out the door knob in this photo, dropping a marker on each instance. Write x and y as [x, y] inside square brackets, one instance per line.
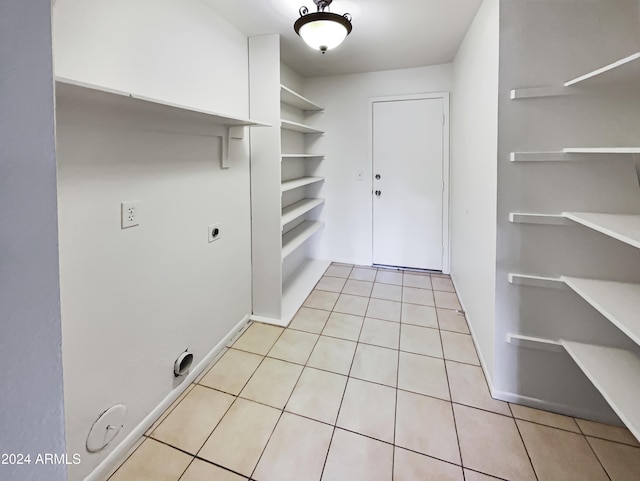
[377, 192]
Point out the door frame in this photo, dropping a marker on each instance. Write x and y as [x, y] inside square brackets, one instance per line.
[446, 247]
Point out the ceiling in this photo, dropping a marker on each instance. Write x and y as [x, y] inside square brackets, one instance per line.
[387, 34]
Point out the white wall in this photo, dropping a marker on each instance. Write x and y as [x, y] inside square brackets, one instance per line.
[547, 43]
[134, 299]
[474, 151]
[347, 149]
[31, 411]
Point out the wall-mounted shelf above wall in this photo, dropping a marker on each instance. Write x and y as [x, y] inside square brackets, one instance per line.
[298, 209]
[302, 156]
[84, 92]
[301, 182]
[625, 71]
[294, 99]
[298, 236]
[577, 154]
[623, 227]
[297, 127]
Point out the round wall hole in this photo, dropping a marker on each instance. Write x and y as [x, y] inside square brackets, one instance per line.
[182, 364]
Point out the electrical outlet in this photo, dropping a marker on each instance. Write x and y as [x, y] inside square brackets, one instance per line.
[214, 232]
[130, 214]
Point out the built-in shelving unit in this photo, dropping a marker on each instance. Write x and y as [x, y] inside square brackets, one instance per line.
[625, 71]
[298, 209]
[286, 187]
[614, 371]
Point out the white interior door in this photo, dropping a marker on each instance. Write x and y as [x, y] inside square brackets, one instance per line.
[408, 183]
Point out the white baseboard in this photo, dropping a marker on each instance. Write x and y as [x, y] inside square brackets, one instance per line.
[269, 320]
[112, 462]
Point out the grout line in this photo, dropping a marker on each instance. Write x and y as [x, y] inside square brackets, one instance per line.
[597, 457]
[535, 473]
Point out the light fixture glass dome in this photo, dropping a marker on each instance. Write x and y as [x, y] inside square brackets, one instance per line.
[322, 30]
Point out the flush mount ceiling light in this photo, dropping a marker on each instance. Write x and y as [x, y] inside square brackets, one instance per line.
[322, 30]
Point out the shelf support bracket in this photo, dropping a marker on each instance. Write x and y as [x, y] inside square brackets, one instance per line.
[233, 133]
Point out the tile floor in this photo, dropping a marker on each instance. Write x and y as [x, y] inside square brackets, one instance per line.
[376, 379]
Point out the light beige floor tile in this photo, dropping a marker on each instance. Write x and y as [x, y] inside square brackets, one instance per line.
[241, 436]
[413, 295]
[331, 284]
[389, 277]
[259, 338]
[368, 409]
[321, 300]
[468, 386]
[423, 375]
[451, 320]
[232, 371]
[475, 476]
[544, 417]
[409, 466]
[416, 280]
[169, 410]
[375, 364]
[348, 304]
[426, 425]
[272, 383]
[442, 284]
[356, 458]
[424, 316]
[203, 471]
[294, 346]
[363, 274]
[385, 310]
[420, 340]
[343, 326]
[358, 288]
[339, 270]
[621, 462]
[333, 355]
[381, 333]
[318, 395]
[606, 431]
[490, 443]
[297, 450]
[446, 300]
[309, 320]
[153, 461]
[387, 291]
[192, 421]
[459, 347]
[560, 455]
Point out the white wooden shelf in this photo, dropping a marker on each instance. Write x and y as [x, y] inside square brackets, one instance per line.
[576, 154]
[626, 70]
[299, 285]
[81, 90]
[298, 236]
[616, 374]
[302, 156]
[625, 228]
[297, 127]
[289, 97]
[619, 302]
[297, 210]
[297, 183]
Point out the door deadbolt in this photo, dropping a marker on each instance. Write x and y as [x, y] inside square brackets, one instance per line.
[377, 176]
[377, 192]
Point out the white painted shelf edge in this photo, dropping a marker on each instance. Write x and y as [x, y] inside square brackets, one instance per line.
[68, 86]
[575, 154]
[616, 374]
[602, 150]
[302, 156]
[299, 285]
[290, 97]
[631, 59]
[298, 209]
[298, 127]
[301, 182]
[298, 236]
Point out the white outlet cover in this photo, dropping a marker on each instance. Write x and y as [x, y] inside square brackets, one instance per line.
[211, 230]
[129, 214]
